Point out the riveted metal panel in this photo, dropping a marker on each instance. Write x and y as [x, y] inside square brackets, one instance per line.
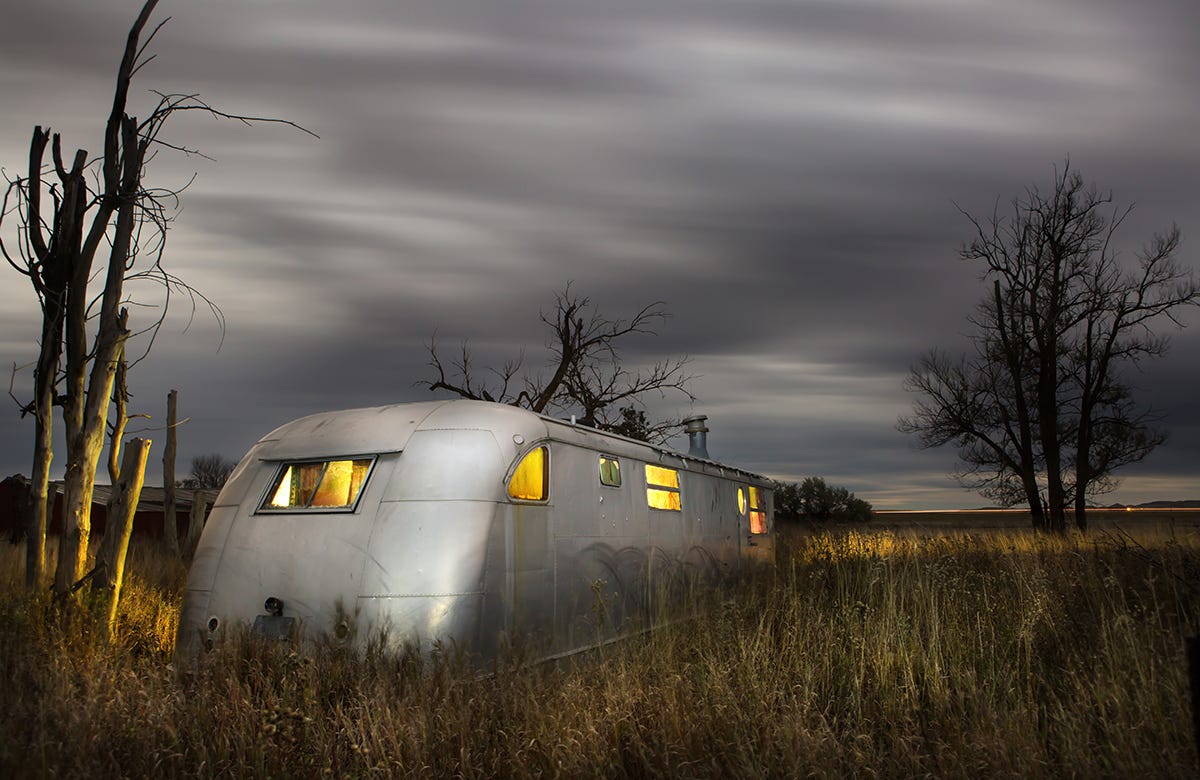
[428, 548]
[312, 561]
[353, 432]
[449, 465]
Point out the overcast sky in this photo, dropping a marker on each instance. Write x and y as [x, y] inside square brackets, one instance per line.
[784, 175]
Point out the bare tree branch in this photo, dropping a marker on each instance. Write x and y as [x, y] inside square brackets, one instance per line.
[584, 372]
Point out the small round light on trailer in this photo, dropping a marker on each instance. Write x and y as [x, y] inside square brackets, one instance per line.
[213, 623]
[341, 630]
[273, 606]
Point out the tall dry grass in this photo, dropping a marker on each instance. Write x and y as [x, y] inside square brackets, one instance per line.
[860, 655]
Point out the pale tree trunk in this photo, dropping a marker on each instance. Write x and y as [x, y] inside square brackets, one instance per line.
[43, 445]
[121, 402]
[39, 491]
[195, 522]
[110, 562]
[170, 529]
[58, 250]
[83, 453]
[56, 259]
[86, 416]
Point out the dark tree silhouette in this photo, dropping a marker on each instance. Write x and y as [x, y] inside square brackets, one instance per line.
[209, 472]
[815, 501]
[584, 374]
[1042, 411]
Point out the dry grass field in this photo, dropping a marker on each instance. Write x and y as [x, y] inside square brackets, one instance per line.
[949, 652]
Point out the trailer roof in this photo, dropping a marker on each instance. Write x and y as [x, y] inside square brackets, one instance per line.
[388, 428]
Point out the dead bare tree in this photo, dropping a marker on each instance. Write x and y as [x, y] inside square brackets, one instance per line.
[1043, 412]
[57, 253]
[584, 374]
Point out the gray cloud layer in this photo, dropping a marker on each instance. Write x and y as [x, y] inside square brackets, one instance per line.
[784, 174]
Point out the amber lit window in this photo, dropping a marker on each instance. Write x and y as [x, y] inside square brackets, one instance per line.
[531, 480]
[610, 471]
[318, 484]
[741, 501]
[758, 512]
[662, 488]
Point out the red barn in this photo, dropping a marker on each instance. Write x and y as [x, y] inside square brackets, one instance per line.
[148, 522]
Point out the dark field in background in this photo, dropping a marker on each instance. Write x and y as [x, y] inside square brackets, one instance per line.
[972, 520]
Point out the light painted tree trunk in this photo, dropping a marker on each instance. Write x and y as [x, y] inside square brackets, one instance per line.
[170, 529]
[86, 446]
[55, 258]
[59, 250]
[39, 491]
[86, 416]
[110, 563]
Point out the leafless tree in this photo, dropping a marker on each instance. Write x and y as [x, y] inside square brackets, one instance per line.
[584, 374]
[209, 472]
[56, 250]
[1042, 411]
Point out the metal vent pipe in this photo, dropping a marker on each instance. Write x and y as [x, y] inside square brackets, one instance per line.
[697, 436]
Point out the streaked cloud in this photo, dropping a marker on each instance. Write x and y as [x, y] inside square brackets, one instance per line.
[783, 174]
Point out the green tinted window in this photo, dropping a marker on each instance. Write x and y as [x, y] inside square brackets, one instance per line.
[610, 471]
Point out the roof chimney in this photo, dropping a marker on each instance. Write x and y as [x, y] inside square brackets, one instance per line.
[697, 438]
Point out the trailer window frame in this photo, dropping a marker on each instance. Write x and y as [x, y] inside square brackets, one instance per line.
[516, 466]
[758, 511]
[266, 507]
[610, 477]
[663, 492]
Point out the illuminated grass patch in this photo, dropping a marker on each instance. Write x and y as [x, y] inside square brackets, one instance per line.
[889, 654]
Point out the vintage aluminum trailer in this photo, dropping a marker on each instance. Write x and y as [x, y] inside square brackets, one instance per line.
[468, 522]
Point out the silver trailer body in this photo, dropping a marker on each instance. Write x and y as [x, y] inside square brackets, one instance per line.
[467, 522]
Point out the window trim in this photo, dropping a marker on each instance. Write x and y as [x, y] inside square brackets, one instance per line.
[676, 489]
[516, 464]
[620, 480]
[263, 507]
[759, 509]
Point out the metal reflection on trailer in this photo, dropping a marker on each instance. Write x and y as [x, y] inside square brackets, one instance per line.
[467, 522]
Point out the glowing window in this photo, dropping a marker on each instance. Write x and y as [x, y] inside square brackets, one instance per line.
[741, 501]
[657, 475]
[758, 514]
[531, 480]
[662, 488]
[610, 471]
[318, 484]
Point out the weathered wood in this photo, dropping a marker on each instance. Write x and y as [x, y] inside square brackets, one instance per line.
[110, 562]
[196, 520]
[170, 530]
[121, 402]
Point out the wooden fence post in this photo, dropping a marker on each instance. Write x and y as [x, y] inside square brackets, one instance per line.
[170, 529]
